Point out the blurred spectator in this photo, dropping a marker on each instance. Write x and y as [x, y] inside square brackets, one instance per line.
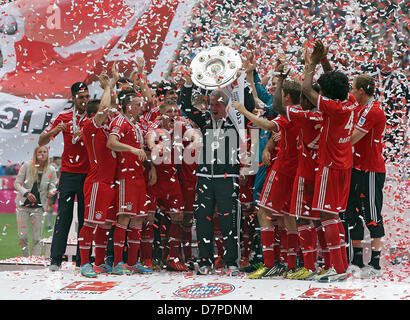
[35, 184]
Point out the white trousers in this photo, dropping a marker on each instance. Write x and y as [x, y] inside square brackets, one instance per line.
[29, 218]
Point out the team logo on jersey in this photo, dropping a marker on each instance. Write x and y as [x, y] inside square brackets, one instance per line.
[98, 215]
[128, 206]
[209, 290]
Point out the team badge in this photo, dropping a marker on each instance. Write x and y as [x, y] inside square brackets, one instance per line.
[128, 206]
[98, 215]
[209, 290]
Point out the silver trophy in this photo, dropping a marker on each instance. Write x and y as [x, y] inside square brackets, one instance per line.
[215, 67]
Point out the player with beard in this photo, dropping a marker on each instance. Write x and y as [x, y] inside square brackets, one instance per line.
[126, 138]
[74, 168]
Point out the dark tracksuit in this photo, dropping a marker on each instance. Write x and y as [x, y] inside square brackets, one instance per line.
[218, 182]
[70, 186]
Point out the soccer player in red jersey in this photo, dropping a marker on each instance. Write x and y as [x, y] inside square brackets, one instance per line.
[99, 187]
[74, 169]
[368, 176]
[300, 214]
[167, 193]
[339, 111]
[164, 91]
[275, 199]
[126, 138]
[188, 179]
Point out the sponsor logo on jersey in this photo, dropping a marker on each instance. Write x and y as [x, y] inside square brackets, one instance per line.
[209, 290]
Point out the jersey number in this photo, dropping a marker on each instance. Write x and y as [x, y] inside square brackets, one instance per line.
[349, 124]
[313, 144]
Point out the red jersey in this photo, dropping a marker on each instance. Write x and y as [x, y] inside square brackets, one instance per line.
[103, 161]
[368, 150]
[128, 165]
[310, 123]
[287, 158]
[189, 165]
[339, 117]
[152, 114]
[167, 174]
[75, 157]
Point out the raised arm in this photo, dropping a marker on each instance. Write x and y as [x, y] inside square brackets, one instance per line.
[315, 58]
[191, 112]
[259, 122]
[139, 79]
[277, 105]
[105, 103]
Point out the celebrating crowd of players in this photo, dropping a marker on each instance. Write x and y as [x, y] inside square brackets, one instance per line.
[131, 158]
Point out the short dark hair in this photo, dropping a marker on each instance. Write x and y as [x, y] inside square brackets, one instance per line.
[163, 87]
[334, 85]
[315, 87]
[293, 88]
[78, 87]
[92, 106]
[122, 80]
[125, 97]
[365, 82]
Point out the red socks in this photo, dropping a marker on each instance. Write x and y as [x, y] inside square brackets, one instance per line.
[267, 240]
[333, 240]
[147, 239]
[187, 240]
[134, 241]
[283, 243]
[174, 238]
[292, 247]
[246, 241]
[101, 239]
[343, 244]
[308, 244]
[323, 245]
[119, 241]
[276, 246]
[85, 240]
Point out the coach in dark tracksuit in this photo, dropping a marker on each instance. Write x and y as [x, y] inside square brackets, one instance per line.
[218, 177]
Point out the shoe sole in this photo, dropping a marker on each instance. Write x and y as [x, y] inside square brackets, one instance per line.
[337, 279]
[121, 274]
[90, 276]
